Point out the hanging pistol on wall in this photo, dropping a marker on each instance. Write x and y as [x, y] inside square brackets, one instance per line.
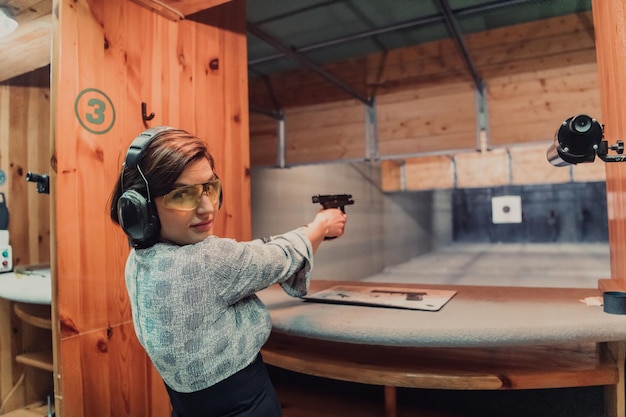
[42, 180]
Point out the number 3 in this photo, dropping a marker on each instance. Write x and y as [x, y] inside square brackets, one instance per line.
[97, 115]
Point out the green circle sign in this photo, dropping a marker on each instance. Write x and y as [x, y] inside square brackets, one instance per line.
[95, 111]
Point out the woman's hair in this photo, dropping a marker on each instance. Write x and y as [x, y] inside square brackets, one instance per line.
[166, 156]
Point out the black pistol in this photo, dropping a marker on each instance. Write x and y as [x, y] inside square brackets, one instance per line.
[333, 201]
[42, 180]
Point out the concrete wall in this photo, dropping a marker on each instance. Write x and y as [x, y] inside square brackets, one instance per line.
[383, 228]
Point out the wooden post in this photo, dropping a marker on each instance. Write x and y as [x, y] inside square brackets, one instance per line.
[391, 409]
[614, 402]
[610, 33]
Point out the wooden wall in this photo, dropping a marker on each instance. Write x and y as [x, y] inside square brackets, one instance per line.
[25, 146]
[116, 55]
[537, 74]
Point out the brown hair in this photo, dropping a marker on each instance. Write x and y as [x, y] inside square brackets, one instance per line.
[167, 155]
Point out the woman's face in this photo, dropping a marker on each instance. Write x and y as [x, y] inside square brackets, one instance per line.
[184, 227]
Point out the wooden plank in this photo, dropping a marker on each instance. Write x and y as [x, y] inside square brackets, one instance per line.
[28, 47]
[34, 314]
[484, 169]
[179, 9]
[575, 23]
[40, 360]
[391, 406]
[8, 349]
[415, 62]
[263, 150]
[390, 172]
[429, 172]
[369, 364]
[608, 284]
[101, 361]
[530, 166]
[407, 145]
[532, 49]
[533, 110]
[611, 51]
[510, 368]
[327, 133]
[32, 410]
[615, 404]
[421, 121]
[589, 172]
[526, 165]
[583, 76]
[502, 48]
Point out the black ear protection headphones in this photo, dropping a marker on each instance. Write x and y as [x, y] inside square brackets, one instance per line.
[137, 214]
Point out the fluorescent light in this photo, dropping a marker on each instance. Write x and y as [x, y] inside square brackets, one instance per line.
[7, 23]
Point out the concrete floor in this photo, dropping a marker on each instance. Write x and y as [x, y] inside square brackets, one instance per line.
[522, 265]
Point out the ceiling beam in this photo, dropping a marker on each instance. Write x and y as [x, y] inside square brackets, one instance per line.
[305, 61]
[274, 114]
[455, 32]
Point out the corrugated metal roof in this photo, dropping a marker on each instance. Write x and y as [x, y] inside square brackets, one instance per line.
[323, 31]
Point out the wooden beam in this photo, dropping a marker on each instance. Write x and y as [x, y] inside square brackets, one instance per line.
[608, 18]
[177, 9]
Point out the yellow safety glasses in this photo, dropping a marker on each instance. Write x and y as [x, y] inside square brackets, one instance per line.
[188, 197]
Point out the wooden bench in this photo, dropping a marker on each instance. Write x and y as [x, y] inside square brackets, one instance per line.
[298, 343]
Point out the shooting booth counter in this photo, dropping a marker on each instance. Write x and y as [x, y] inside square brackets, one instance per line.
[484, 338]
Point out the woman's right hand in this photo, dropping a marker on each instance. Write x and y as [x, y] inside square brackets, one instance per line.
[327, 223]
[333, 220]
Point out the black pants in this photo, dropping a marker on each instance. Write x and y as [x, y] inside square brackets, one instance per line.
[248, 393]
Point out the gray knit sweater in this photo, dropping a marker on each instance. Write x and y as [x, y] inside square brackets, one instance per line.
[194, 307]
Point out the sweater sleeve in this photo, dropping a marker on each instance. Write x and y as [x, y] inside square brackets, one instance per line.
[244, 268]
[297, 285]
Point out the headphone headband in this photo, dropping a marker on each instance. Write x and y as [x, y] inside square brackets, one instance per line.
[141, 142]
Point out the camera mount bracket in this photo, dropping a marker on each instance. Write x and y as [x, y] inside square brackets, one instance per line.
[618, 147]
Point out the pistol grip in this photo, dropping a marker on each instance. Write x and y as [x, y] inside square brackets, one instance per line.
[329, 206]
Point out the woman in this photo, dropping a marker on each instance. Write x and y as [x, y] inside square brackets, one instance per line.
[192, 294]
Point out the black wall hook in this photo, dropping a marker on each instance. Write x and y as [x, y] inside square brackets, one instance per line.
[146, 117]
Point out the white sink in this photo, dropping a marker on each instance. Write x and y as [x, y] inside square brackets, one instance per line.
[27, 285]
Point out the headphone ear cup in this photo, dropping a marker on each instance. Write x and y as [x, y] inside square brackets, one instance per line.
[137, 217]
